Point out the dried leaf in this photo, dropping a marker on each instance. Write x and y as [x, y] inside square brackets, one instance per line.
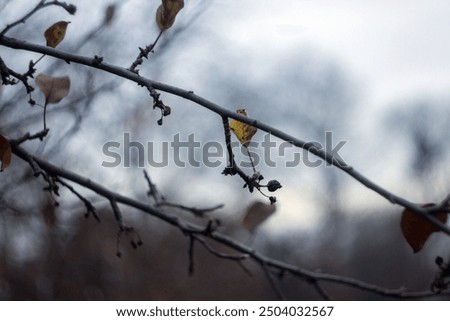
[55, 34]
[257, 213]
[416, 229]
[53, 88]
[167, 12]
[5, 153]
[243, 131]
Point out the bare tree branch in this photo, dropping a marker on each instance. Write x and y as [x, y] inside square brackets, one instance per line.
[223, 112]
[90, 208]
[199, 212]
[143, 53]
[193, 230]
[191, 255]
[322, 292]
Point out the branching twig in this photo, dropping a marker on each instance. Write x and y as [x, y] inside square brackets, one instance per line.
[117, 214]
[143, 53]
[6, 73]
[442, 207]
[90, 208]
[153, 190]
[191, 255]
[160, 200]
[199, 212]
[239, 257]
[158, 103]
[232, 168]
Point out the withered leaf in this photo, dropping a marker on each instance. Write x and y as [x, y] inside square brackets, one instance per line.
[243, 131]
[5, 153]
[416, 230]
[256, 214]
[167, 12]
[110, 12]
[53, 88]
[55, 33]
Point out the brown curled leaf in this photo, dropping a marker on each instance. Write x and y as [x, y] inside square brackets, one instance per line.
[256, 214]
[5, 153]
[167, 12]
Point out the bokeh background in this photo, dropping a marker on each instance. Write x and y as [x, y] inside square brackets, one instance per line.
[376, 75]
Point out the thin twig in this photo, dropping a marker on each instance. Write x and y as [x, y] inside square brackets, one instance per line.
[222, 255]
[272, 283]
[199, 212]
[117, 214]
[39, 135]
[232, 168]
[239, 259]
[45, 117]
[39, 59]
[90, 208]
[143, 53]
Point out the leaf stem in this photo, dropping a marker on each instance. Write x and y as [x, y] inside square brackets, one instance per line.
[36, 62]
[251, 159]
[45, 117]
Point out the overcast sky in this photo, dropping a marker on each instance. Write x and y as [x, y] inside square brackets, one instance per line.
[396, 48]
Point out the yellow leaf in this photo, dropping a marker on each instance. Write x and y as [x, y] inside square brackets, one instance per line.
[5, 153]
[53, 88]
[167, 12]
[256, 214]
[55, 34]
[243, 131]
[416, 230]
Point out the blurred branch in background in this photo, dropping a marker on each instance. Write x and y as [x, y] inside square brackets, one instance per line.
[203, 227]
[197, 232]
